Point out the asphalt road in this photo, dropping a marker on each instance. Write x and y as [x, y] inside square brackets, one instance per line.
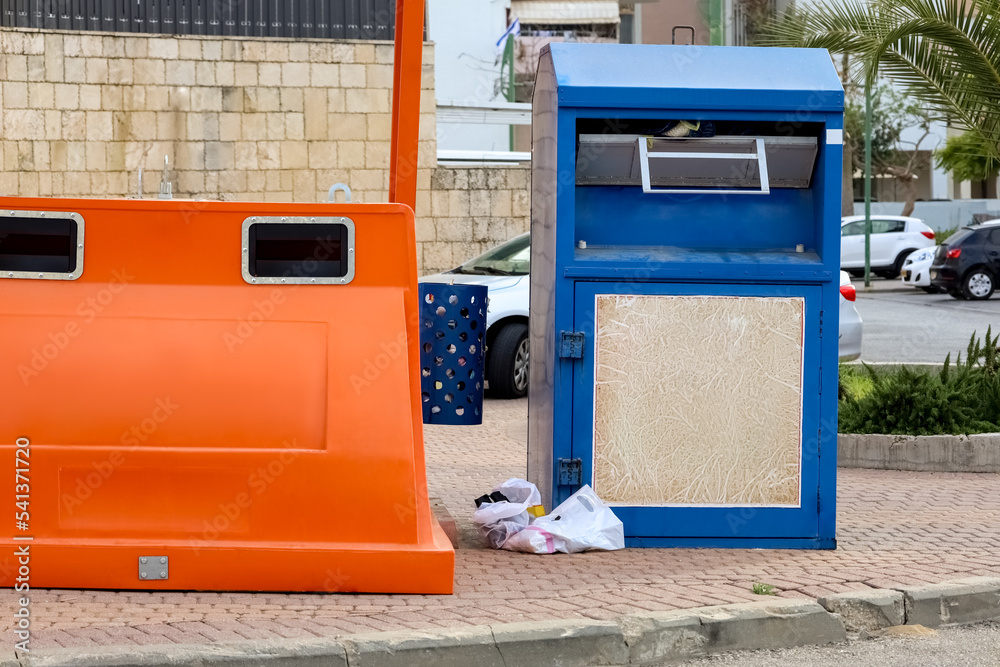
[914, 326]
[972, 646]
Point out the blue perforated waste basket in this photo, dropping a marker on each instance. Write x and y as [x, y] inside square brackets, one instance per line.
[453, 325]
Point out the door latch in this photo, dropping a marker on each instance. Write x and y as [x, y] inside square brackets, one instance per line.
[570, 472]
[571, 344]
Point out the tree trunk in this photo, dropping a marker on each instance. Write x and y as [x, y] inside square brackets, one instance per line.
[847, 189]
[910, 190]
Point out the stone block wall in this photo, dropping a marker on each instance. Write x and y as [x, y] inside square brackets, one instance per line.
[471, 209]
[253, 119]
[250, 119]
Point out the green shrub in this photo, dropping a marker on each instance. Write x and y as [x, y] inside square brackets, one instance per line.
[942, 236]
[961, 398]
[853, 383]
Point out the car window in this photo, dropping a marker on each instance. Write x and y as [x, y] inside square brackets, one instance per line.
[512, 258]
[888, 226]
[994, 237]
[853, 228]
[960, 236]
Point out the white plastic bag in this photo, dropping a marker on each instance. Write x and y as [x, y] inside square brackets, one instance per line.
[581, 523]
[497, 522]
[520, 491]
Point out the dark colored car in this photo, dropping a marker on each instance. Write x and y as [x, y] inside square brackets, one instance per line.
[967, 265]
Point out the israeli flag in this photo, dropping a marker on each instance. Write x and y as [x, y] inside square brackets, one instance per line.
[513, 30]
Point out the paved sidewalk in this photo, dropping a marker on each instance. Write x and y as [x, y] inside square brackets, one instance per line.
[893, 529]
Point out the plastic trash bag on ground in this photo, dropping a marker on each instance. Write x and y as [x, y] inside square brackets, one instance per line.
[520, 491]
[582, 523]
[498, 521]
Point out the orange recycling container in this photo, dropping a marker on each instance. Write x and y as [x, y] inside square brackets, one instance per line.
[214, 396]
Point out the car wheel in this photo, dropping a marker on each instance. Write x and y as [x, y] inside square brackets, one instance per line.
[931, 289]
[507, 362]
[897, 266]
[978, 284]
[855, 273]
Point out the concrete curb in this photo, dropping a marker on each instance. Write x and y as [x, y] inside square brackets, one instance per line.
[954, 602]
[920, 453]
[637, 639]
[679, 635]
[867, 611]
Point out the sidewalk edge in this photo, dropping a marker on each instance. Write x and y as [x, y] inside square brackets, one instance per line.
[635, 639]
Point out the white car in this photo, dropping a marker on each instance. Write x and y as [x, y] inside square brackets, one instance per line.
[504, 270]
[917, 269]
[850, 321]
[893, 238]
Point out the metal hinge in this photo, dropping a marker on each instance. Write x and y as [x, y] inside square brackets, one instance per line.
[821, 324]
[820, 379]
[570, 472]
[571, 344]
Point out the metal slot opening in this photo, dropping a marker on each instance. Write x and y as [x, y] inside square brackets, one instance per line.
[710, 164]
[298, 250]
[41, 245]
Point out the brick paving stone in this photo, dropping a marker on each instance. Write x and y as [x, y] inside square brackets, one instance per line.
[894, 528]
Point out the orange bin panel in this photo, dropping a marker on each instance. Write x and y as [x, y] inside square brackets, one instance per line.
[259, 435]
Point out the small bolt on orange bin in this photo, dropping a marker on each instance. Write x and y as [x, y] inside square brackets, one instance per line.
[187, 388]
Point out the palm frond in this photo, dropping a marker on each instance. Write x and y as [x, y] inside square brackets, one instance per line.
[946, 53]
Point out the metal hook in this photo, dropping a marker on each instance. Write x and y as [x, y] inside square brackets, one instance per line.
[673, 34]
[332, 197]
[166, 188]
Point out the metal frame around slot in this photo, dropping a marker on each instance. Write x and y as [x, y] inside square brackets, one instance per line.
[645, 156]
[297, 280]
[50, 275]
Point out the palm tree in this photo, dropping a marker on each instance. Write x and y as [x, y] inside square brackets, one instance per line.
[945, 53]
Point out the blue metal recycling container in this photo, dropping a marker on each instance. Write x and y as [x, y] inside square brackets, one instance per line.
[685, 256]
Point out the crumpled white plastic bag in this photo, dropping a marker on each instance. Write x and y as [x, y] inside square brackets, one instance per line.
[582, 523]
[499, 521]
[520, 491]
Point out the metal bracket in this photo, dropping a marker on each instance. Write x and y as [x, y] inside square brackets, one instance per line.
[339, 187]
[570, 472]
[153, 568]
[645, 156]
[571, 344]
[166, 187]
[673, 33]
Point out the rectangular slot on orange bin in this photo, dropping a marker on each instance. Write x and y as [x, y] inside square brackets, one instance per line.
[33, 245]
[317, 250]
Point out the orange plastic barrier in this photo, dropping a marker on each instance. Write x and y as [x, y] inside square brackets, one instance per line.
[229, 391]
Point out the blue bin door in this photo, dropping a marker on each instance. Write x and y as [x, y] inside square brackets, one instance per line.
[691, 405]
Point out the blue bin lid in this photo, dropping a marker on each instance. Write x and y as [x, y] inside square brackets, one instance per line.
[695, 77]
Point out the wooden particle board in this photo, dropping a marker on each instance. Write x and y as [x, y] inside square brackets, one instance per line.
[698, 400]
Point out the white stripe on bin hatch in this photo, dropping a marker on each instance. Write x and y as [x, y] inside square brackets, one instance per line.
[834, 136]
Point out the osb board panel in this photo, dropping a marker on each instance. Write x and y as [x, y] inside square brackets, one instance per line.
[698, 400]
